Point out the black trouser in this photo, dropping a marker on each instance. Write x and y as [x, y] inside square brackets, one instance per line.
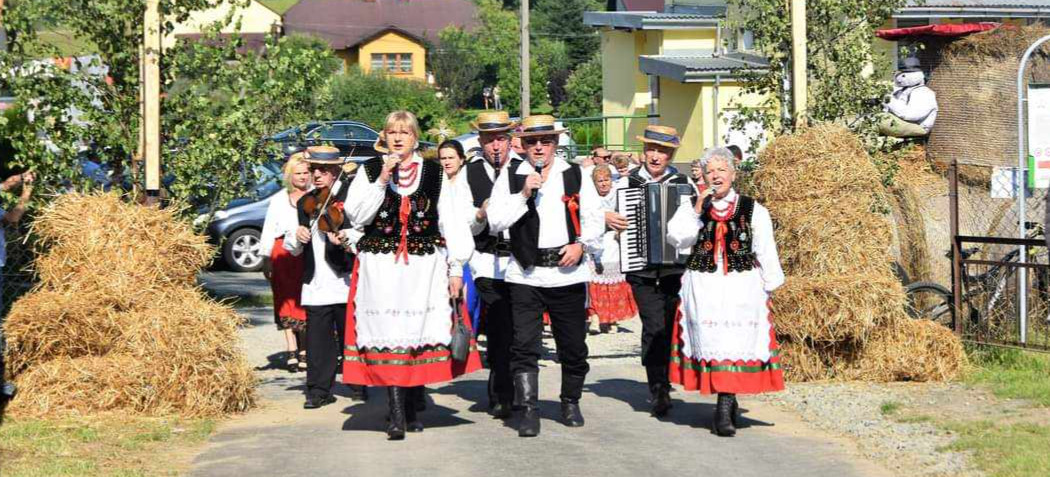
[323, 346]
[568, 311]
[657, 300]
[495, 303]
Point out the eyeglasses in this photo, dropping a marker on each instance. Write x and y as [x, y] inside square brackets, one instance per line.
[546, 141]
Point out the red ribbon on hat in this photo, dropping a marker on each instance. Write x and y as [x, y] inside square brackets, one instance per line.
[402, 247]
[573, 204]
[721, 229]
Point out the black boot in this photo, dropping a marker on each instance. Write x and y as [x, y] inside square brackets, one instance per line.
[418, 397]
[526, 391]
[414, 395]
[358, 393]
[500, 406]
[733, 410]
[660, 399]
[723, 422]
[571, 390]
[395, 426]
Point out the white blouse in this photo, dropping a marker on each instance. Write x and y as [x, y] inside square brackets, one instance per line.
[684, 228]
[281, 218]
[365, 198]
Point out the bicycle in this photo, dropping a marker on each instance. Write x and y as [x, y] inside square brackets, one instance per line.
[932, 301]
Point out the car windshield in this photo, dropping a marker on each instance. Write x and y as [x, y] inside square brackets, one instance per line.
[268, 180]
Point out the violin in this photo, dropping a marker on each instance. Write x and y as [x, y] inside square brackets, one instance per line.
[323, 211]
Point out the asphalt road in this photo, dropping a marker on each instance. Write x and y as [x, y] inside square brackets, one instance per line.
[347, 438]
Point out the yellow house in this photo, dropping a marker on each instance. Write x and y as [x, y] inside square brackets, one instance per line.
[671, 64]
[380, 35]
[256, 21]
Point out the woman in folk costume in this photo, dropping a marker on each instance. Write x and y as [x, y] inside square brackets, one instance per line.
[724, 340]
[409, 265]
[453, 158]
[283, 270]
[610, 295]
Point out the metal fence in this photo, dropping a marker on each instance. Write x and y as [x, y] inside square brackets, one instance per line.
[611, 132]
[1000, 269]
[17, 273]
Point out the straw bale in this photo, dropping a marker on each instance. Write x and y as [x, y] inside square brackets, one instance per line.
[836, 308]
[909, 350]
[911, 230]
[802, 362]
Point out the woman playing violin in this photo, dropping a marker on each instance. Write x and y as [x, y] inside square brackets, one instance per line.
[326, 270]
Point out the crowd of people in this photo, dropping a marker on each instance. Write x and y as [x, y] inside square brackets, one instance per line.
[384, 271]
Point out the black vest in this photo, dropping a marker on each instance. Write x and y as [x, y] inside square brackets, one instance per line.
[739, 238]
[335, 256]
[384, 233]
[525, 233]
[481, 189]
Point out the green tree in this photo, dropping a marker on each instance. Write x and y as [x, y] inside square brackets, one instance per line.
[584, 90]
[842, 86]
[562, 20]
[497, 48]
[369, 97]
[455, 67]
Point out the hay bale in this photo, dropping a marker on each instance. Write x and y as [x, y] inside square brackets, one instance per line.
[836, 308]
[911, 231]
[908, 350]
[802, 363]
[831, 236]
[118, 324]
[988, 59]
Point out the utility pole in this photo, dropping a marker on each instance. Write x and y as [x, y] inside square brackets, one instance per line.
[526, 94]
[798, 62]
[150, 91]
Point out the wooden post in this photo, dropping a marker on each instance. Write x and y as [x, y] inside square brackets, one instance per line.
[957, 269]
[798, 62]
[151, 99]
[526, 94]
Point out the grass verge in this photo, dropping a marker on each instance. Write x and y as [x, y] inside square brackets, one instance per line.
[112, 445]
[1012, 373]
[1021, 449]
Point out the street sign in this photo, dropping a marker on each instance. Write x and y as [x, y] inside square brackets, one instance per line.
[1038, 138]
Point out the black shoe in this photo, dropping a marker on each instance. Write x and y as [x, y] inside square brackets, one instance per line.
[571, 415]
[526, 391]
[395, 426]
[661, 399]
[358, 393]
[723, 423]
[314, 402]
[502, 409]
[418, 398]
[733, 410]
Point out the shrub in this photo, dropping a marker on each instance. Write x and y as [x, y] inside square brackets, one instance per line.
[369, 97]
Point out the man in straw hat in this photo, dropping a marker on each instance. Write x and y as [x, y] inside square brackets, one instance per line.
[491, 256]
[554, 217]
[655, 289]
[326, 276]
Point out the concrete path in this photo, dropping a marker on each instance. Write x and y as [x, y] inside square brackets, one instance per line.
[347, 438]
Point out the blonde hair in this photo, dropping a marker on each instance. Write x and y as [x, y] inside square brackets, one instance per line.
[403, 119]
[289, 168]
[600, 171]
[620, 159]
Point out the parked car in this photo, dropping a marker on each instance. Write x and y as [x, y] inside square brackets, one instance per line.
[238, 227]
[354, 139]
[567, 148]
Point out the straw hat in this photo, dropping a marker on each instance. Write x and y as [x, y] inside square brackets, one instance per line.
[323, 155]
[493, 121]
[662, 135]
[539, 125]
[380, 144]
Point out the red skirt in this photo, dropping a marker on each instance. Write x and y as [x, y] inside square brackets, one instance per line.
[286, 282]
[399, 366]
[612, 303]
[736, 377]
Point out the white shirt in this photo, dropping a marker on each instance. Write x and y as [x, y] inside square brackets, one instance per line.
[281, 217]
[684, 229]
[486, 265]
[505, 209]
[326, 287]
[365, 198]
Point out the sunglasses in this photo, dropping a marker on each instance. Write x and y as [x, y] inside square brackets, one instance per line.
[604, 158]
[546, 141]
[323, 168]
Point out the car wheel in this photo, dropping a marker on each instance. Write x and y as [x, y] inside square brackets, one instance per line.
[241, 251]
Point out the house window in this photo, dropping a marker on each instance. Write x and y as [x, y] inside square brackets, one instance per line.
[393, 63]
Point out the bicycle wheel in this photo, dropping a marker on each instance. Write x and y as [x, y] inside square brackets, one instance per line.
[929, 301]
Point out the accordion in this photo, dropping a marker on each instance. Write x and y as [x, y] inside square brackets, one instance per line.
[648, 209]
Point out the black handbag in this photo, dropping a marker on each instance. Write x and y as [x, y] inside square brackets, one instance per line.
[460, 344]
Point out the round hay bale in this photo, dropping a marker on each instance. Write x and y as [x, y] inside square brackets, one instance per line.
[978, 125]
[836, 308]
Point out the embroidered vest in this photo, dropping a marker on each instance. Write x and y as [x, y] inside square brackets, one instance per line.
[525, 233]
[384, 233]
[738, 240]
